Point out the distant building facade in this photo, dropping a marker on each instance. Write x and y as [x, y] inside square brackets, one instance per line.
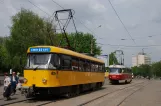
[140, 58]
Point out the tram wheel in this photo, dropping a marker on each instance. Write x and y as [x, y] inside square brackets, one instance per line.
[126, 82]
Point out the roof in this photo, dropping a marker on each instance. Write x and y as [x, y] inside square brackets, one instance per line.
[54, 49]
[117, 66]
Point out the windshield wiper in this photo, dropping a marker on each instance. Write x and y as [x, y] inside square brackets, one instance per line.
[37, 67]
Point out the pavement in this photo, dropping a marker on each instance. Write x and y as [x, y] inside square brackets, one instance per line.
[147, 93]
[147, 96]
[72, 101]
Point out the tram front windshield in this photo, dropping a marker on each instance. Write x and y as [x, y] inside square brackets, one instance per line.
[115, 70]
[38, 60]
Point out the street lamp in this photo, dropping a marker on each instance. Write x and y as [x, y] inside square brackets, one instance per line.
[143, 50]
[107, 57]
[93, 41]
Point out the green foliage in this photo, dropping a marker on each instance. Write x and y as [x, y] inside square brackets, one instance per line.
[156, 69]
[112, 59]
[80, 42]
[28, 29]
[148, 70]
[107, 69]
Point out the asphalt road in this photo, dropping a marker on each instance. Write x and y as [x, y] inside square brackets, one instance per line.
[1, 77]
[147, 96]
[75, 101]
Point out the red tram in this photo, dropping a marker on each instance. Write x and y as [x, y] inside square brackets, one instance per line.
[119, 73]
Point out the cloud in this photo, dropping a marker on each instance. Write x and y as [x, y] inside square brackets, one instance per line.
[141, 18]
[155, 17]
[10, 7]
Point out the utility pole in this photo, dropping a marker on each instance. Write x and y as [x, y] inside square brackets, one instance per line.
[92, 40]
[121, 56]
[143, 51]
[107, 57]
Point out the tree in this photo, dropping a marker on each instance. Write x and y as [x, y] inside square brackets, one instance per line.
[142, 70]
[28, 29]
[81, 42]
[112, 59]
[156, 69]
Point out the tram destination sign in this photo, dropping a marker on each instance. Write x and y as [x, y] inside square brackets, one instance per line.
[39, 49]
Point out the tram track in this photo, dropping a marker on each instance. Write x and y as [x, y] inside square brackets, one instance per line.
[131, 94]
[94, 99]
[82, 104]
[42, 102]
[31, 100]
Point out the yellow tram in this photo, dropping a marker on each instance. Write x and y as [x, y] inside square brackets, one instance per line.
[54, 70]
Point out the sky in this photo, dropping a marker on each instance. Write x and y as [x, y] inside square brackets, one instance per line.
[142, 18]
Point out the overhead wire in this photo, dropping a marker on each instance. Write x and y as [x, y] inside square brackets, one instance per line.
[130, 45]
[95, 34]
[75, 18]
[121, 22]
[45, 13]
[39, 8]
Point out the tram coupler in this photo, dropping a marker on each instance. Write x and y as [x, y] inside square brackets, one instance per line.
[28, 92]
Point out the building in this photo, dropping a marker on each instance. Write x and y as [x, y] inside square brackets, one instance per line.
[140, 58]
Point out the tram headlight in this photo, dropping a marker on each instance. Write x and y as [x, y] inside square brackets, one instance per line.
[44, 80]
[25, 80]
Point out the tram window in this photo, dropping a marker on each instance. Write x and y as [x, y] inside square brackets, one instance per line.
[66, 62]
[54, 62]
[81, 65]
[35, 60]
[88, 66]
[96, 67]
[125, 70]
[115, 70]
[103, 69]
[93, 67]
[75, 63]
[100, 68]
[84, 66]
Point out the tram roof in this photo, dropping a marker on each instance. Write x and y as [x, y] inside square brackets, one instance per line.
[53, 49]
[117, 66]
